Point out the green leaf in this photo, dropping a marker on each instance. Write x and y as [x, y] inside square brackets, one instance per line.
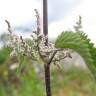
[81, 44]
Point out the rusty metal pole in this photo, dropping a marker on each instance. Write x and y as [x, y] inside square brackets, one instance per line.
[45, 32]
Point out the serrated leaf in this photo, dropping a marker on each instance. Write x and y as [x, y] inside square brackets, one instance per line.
[80, 43]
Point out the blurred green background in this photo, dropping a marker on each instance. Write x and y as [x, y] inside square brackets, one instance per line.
[30, 80]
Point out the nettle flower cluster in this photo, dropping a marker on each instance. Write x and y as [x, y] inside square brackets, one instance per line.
[37, 51]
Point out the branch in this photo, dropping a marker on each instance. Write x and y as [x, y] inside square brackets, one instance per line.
[9, 26]
[38, 33]
[50, 60]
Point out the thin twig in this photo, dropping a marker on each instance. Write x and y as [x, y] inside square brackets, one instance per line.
[9, 26]
[50, 60]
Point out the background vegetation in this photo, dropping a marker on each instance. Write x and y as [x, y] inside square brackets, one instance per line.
[30, 82]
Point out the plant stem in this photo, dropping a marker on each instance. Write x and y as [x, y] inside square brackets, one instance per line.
[45, 21]
[47, 75]
[47, 80]
[47, 66]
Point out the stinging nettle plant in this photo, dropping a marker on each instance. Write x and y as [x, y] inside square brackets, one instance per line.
[38, 51]
[48, 53]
